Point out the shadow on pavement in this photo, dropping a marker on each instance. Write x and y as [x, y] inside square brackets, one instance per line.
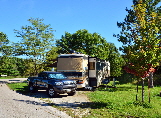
[32, 102]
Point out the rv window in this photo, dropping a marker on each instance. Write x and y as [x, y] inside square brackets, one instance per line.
[91, 65]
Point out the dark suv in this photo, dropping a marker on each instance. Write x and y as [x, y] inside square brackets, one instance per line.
[54, 82]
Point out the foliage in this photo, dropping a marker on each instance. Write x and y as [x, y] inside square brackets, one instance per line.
[116, 61]
[126, 78]
[8, 66]
[5, 49]
[52, 54]
[36, 41]
[13, 66]
[84, 42]
[91, 44]
[51, 58]
[140, 36]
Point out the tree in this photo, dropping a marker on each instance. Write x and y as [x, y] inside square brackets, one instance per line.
[9, 66]
[91, 44]
[51, 58]
[36, 41]
[5, 49]
[141, 37]
[84, 42]
[52, 54]
[116, 61]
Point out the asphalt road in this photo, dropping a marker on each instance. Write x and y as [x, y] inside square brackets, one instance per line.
[15, 105]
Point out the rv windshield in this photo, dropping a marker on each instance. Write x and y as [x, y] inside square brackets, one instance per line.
[57, 76]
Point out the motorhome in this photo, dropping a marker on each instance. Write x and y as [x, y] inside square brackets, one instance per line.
[87, 71]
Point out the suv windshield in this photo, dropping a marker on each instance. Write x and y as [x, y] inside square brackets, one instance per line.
[57, 76]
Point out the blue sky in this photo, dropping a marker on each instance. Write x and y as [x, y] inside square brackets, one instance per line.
[98, 16]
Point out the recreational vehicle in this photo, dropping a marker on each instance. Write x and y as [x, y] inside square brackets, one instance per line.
[87, 71]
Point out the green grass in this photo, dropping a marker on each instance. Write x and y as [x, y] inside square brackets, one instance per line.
[19, 87]
[6, 77]
[11, 77]
[117, 102]
[121, 102]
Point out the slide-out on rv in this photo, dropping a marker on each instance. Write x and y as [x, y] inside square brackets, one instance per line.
[87, 71]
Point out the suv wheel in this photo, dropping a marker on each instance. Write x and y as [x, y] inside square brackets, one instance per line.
[32, 88]
[51, 92]
[72, 93]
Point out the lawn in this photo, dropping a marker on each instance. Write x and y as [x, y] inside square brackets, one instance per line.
[19, 87]
[121, 102]
[117, 102]
[6, 77]
[11, 77]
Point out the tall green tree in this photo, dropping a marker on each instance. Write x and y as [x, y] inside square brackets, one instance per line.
[83, 41]
[141, 37]
[5, 48]
[116, 60]
[36, 41]
[9, 66]
[91, 44]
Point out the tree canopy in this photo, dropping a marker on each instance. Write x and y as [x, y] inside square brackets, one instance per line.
[83, 41]
[36, 41]
[5, 48]
[91, 44]
[141, 37]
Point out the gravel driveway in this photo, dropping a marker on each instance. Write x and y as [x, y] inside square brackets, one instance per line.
[15, 105]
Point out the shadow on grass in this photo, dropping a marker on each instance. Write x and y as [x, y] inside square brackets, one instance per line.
[97, 105]
[140, 103]
[113, 89]
[110, 105]
[24, 90]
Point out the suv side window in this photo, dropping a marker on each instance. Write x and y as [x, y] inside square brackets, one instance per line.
[43, 75]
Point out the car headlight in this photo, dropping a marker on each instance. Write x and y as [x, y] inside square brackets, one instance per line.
[58, 83]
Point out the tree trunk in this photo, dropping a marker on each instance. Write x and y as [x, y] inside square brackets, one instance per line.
[151, 80]
[149, 89]
[137, 89]
[143, 89]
